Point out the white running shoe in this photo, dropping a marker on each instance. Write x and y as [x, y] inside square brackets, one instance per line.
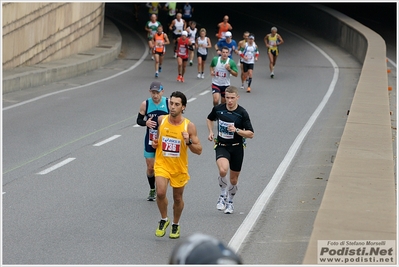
[229, 208]
[242, 87]
[152, 58]
[199, 76]
[175, 56]
[202, 76]
[272, 74]
[221, 205]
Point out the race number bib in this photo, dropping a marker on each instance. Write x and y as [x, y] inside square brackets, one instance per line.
[182, 50]
[223, 130]
[159, 44]
[250, 55]
[222, 74]
[171, 147]
[272, 43]
[152, 135]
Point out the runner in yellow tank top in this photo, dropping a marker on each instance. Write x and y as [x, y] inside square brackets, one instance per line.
[272, 41]
[172, 157]
[176, 135]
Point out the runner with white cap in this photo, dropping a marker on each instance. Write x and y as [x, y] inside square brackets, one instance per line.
[249, 55]
[229, 43]
[182, 50]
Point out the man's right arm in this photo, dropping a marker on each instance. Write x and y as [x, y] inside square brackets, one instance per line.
[266, 39]
[140, 117]
[212, 66]
[217, 47]
[209, 124]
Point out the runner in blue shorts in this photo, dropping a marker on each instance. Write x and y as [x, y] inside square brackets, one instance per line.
[150, 109]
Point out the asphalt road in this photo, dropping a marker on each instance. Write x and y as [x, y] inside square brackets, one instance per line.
[92, 210]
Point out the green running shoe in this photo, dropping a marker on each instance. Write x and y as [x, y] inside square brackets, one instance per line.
[152, 196]
[175, 231]
[161, 230]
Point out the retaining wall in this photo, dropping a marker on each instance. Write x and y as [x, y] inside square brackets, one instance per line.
[45, 31]
[359, 202]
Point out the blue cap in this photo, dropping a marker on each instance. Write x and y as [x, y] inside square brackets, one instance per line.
[156, 86]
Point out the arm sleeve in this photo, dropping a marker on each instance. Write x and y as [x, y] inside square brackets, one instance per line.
[140, 120]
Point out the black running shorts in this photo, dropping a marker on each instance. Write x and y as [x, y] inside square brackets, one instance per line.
[234, 154]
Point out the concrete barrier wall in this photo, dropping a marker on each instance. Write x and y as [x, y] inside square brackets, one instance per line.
[106, 51]
[45, 31]
[359, 202]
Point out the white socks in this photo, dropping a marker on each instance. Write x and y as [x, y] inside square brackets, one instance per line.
[231, 190]
[223, 185]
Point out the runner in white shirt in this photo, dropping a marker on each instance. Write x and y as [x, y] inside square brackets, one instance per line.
[178, 25]
[221, 68]
[249, 55]
[192, 35]
[202, 44]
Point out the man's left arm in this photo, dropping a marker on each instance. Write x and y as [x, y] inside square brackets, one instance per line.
[192, 139]
[248, 131]
[233, 68]
[256, 53]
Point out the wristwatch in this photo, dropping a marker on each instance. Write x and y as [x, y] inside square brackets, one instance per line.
[189, 142]
[237, 130]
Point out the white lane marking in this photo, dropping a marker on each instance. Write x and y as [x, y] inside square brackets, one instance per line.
[392, 62]
[205, 92]
[191, 99]
[4, 193]
[252, 217]
[56, 166]
[107, 140]
[88, 84]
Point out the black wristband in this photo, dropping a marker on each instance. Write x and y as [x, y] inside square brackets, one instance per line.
[140, 120]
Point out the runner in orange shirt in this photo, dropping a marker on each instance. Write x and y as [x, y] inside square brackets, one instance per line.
[160, 40]
[223, 27]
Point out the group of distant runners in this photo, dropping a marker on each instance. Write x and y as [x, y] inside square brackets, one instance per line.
[187, 40]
